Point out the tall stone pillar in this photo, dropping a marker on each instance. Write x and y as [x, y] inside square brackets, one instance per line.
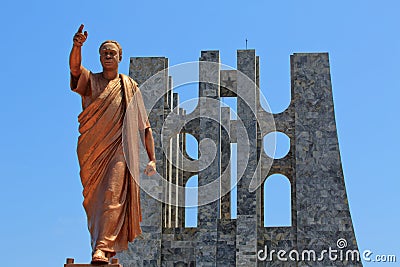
[246, 223]
[147, 251]
[323, 215]
[209, 165]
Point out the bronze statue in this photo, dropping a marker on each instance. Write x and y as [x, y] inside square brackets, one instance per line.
[111, 192]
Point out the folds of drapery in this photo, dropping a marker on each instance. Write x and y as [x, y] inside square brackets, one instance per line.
[111, 192]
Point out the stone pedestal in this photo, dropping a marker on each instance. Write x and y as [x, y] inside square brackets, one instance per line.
[70, 263]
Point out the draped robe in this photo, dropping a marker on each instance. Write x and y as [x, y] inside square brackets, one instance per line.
[111, 193]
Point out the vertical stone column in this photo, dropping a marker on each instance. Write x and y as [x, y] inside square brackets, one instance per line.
[260, 191]
[171, 210]
[246, 236]
[175, 169]
[225, 164]
[208, 214]
[168, 107]
[182, 182]
[147, 251]
[323, 214]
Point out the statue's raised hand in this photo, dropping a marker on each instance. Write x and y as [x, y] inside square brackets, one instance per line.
[79, 37]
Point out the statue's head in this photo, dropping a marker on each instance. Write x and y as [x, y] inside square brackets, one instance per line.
[110, 54]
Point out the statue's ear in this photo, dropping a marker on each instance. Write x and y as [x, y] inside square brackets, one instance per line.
[120, 58]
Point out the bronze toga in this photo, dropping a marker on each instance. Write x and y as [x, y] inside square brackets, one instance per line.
[111, 193]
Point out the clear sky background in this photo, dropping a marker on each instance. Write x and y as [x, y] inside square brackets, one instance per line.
[42, 218]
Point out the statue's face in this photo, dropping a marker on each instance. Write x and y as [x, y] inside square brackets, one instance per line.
[109, 56]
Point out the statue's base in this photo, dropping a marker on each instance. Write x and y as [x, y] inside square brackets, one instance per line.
[70, 263]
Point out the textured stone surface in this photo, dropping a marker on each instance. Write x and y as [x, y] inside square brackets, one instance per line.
[323, 214]
[228, 83]
[225, 164]
[226, 244]
[147, 251]
[206, 248]
[320, 212]
[246, 234]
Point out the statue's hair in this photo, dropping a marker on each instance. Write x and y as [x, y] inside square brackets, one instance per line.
[113, 42]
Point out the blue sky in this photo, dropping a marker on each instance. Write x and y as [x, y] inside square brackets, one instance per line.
[42, 216]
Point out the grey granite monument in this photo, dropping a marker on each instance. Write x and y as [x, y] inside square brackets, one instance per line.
[321, 231]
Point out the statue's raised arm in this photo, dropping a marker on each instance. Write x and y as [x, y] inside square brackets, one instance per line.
[75, 58]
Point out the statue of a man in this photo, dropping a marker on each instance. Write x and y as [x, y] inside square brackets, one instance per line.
[111, 192]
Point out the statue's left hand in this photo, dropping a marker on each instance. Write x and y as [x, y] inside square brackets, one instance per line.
[150, 168]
